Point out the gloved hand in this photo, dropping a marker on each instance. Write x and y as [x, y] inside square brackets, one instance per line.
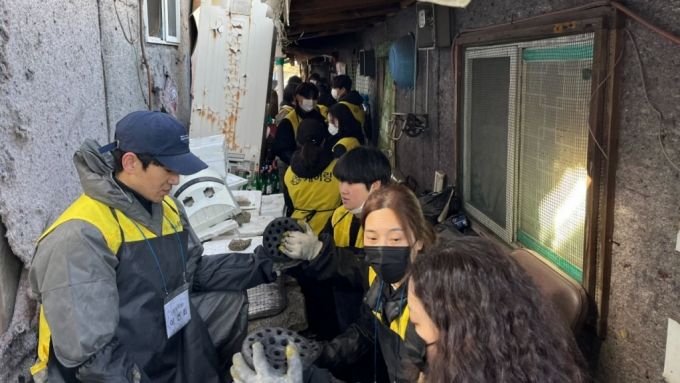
[304, 246]
[264, 373]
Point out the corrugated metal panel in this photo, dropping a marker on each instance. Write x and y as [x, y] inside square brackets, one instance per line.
[233, 57]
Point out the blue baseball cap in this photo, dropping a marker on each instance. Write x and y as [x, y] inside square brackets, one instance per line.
[160, 135]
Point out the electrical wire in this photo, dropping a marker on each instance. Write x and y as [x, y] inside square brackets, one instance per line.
[132, 43]
[618, 60]
[629, 13]
[644, 89]
[646, 23]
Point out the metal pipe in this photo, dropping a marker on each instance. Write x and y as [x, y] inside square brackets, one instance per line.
[144, 60]
[280, 81]
[427, 79]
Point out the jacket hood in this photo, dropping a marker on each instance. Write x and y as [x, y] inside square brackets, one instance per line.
[318, 168]
[96, 177]
[353, 97]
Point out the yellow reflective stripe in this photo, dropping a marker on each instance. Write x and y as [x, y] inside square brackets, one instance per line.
[132, 234]
[44, 336]
[371, 275]
[398, 326]
[95, 213]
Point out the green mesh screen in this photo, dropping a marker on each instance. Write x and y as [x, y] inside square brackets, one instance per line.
[555, 98]
[525, 138]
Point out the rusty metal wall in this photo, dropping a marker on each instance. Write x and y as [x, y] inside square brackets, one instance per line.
[232, 74]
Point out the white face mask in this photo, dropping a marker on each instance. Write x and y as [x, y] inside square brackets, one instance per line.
[307, 105]
[332, 129]
[334, 93]
[358, 210]
[313, 81]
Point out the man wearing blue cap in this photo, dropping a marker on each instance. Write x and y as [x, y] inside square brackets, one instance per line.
[114, 274]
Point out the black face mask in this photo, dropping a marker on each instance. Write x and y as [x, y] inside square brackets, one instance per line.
[390, 263]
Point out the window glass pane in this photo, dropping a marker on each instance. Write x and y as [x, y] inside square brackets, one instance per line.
[154, 13]
[555, 97]
[489, 107]
[172, 18]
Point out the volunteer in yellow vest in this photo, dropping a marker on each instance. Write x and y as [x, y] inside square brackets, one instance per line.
[286, 105]
[311, 191]
[345, 131]
[305, 108]
[342, 91]
[325, 97]
[360, 172]
[395, 231]
[115, 273]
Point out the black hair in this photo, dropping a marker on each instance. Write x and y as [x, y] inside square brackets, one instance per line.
[494, 324]
[363, 165]
[145, 159]
[314, 76]
[310, 137]
[307, 90]
[322, 85]
[294, 80]
[342, 81]
[348, 126]
[289, 93]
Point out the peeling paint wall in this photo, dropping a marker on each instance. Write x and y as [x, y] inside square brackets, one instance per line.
[646, 270]
[66, 74]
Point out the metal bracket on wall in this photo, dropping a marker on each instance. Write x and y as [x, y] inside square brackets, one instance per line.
[410, 123]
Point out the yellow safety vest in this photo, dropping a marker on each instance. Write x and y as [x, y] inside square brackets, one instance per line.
[314, 199]
[398, 325]
[342, 225]
[348, 142]
[295, 120]
[100, 215]
[358, 113]
[323, 109]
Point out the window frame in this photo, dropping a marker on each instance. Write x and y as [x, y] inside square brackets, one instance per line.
[167, 39]
[607, 25]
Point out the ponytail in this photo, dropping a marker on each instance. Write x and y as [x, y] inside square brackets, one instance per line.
[311, 152]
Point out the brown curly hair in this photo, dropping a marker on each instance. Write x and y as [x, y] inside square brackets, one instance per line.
[494, 324]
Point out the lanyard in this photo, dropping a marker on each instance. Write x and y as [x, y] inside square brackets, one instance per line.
[179, 241]
[375, 330]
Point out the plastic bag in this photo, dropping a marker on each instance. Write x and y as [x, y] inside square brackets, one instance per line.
[434, 204]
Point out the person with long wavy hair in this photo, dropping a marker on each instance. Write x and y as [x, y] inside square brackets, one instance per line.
[484, 320]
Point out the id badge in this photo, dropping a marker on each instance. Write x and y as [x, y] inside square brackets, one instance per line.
[177, 311]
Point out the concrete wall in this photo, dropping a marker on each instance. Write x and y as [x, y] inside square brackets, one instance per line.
[646, 269]
[421, 156]
[66, 74]
[123, 64]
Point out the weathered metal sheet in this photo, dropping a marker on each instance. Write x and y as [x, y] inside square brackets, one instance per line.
[232, 74]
